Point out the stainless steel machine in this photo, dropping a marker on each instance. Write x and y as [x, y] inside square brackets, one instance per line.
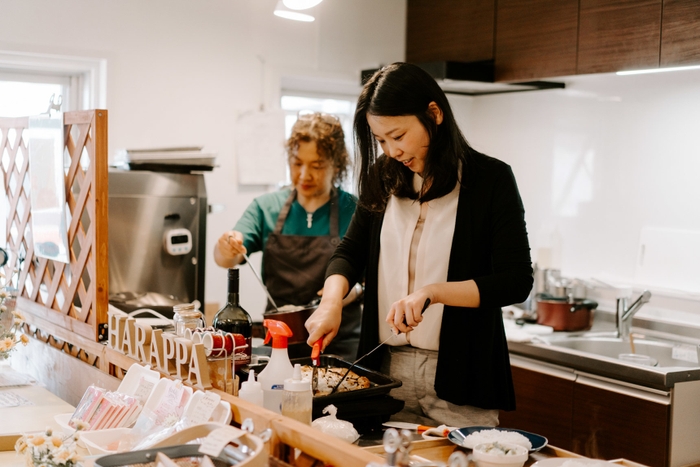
[157, 238]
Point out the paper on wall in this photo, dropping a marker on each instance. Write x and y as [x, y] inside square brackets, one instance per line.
[259, 147]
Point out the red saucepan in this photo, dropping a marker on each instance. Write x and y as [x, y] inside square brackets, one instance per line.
[565, 314]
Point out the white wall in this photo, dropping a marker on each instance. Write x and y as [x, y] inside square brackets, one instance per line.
[598, 161]
[179, 72]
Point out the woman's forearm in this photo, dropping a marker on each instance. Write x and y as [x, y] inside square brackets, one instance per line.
[335, 289]
[462, 294]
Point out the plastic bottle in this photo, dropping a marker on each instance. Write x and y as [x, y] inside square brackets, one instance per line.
[279, 368]
[297, 400]
[234, 319]
[251, 390]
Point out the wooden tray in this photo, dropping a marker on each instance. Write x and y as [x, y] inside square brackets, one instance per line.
[439, 450]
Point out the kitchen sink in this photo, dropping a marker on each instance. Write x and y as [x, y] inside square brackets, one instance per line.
[659, 360]
[645, 352]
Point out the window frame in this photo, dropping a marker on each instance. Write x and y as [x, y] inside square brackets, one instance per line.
[345, 92]
[86, 77]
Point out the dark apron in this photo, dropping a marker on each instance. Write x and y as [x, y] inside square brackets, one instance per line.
[295, 270]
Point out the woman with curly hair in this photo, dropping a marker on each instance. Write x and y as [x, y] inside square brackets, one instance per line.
[298, 228]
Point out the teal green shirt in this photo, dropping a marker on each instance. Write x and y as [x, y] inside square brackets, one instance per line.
[259, 219]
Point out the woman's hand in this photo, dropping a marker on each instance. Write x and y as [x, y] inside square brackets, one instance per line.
[229, 249]
[325, 321]
[407, 313]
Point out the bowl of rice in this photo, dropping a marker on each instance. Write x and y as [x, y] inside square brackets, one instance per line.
[496, 435]
[497, 454]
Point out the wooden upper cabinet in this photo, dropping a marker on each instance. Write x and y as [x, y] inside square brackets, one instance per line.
[535, 39]
[617, 35]
[454, 30]
[680, 33]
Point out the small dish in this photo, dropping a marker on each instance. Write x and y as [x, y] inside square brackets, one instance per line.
[103, 441]
[459, 435]
[497, 454]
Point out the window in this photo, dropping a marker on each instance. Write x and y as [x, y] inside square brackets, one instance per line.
[22, 96]
[28, 80]
[343, 108]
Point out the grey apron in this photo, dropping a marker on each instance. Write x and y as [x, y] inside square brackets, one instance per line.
[295, 270]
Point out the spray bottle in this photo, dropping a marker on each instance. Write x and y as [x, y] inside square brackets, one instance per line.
[278, 368]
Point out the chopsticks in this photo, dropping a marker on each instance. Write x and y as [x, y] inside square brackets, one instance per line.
[425, 306]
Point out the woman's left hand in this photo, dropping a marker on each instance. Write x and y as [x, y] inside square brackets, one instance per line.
[406, 313]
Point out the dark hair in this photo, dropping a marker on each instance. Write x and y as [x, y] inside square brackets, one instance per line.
[402, 89]
[327, 132]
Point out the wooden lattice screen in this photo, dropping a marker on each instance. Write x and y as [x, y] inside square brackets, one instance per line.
[72, 296]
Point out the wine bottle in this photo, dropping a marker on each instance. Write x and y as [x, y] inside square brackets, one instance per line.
[234, 319]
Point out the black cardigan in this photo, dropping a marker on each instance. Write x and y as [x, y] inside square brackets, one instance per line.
[490, 246]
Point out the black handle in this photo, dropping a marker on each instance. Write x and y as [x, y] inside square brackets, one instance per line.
[425, 307]
[589, 304]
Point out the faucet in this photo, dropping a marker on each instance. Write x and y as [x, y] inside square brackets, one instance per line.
[624, 313]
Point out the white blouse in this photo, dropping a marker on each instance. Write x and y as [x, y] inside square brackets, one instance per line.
[431, 255]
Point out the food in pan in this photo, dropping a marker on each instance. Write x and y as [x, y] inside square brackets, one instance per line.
[500, 436]
[329, 377]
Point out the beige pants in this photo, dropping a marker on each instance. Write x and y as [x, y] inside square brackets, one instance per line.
[416, 369]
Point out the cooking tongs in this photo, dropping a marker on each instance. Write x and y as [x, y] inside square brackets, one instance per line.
[425, 307]
[316, 362]
[259, 278]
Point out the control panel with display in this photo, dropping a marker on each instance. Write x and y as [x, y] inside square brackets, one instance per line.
[177, 241]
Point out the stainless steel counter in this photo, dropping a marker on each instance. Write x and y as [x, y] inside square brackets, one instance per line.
[596, 352]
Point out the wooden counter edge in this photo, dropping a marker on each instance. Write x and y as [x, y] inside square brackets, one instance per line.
[440, 450]
[7, 442]
[322, 446]
[292, 433]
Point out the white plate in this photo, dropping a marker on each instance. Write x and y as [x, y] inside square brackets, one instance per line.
[574, 461]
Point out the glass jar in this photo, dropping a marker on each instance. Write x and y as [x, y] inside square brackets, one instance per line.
[186, 317]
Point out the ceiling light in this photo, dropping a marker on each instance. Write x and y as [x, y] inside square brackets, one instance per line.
[657, 70]
[301, 4]
[283, 12]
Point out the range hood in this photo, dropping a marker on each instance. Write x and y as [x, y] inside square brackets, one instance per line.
[474, 79]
